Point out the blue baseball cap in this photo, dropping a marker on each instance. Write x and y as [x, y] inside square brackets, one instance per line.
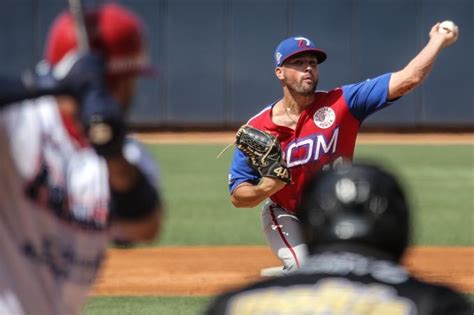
[295, 45]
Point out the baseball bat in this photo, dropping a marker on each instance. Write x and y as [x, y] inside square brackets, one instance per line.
[75, 6]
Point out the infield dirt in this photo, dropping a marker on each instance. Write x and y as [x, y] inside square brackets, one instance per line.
[204, 271]
[368, 138]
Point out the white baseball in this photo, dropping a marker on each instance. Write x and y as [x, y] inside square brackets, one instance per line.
[446, 26]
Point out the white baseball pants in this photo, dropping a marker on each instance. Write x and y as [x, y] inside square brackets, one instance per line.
[283, 233]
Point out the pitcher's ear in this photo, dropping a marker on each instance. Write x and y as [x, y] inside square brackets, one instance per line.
[279, 73]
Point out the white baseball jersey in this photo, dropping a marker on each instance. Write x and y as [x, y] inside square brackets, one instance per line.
[54, 197]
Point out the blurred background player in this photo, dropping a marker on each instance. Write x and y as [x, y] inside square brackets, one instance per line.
[315, 130]
[355, 221]
[61, 198]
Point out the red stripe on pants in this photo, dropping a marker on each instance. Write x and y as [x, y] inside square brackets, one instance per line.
[275, 222]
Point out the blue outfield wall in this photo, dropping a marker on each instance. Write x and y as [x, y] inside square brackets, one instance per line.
[215, 57]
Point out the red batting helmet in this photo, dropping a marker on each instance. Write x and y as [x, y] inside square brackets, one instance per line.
[114, 32]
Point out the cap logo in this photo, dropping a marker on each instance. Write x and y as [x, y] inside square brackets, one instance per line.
[278, 57]
[302, 41]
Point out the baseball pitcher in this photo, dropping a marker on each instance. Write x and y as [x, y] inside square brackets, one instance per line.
[311, 131]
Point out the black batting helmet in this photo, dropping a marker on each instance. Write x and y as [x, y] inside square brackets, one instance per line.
[361, 204]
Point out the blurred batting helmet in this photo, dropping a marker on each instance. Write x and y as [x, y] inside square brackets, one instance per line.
[360, 204]
[114, 32]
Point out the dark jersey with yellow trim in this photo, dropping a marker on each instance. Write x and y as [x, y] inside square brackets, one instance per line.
[337, 283]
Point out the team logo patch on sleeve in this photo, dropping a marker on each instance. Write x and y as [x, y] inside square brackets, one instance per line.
[324, 117]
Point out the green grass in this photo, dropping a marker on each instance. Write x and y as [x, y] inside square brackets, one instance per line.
[195, 190]
[128, 305]
[440, 183]
[439, 180]
[153, 305]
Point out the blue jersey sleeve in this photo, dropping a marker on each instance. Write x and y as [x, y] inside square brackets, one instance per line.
[367, 97]
[241, 172]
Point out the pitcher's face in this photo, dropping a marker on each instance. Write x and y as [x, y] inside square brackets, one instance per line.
[300, 73]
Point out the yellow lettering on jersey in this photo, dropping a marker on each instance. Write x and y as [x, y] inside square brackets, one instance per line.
[334, 296]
